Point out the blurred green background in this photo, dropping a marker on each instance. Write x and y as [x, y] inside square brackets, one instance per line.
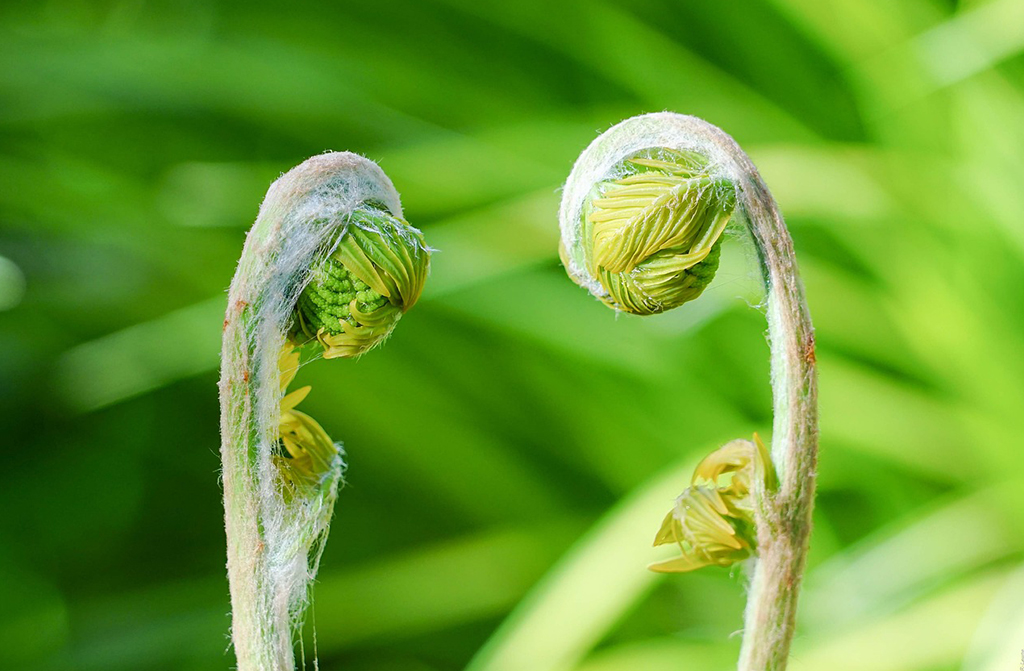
[514, 446]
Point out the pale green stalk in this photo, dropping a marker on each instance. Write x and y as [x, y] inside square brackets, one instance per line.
[281, 472]
[782, 515]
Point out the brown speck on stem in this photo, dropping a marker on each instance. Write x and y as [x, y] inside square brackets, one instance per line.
[809, 355]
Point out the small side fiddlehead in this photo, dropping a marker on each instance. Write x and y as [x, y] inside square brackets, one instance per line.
[331, 262]
[642, 218]
[713, 521]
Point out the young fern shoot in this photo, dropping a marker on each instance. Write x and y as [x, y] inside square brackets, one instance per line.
[331, 262]
[642, 218]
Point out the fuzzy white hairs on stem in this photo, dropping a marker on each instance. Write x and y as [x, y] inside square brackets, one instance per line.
[274, 539]
[783, 515]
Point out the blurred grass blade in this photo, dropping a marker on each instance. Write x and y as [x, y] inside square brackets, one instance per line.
[933, 633]
[437, 587]
[889, 568]
[973, 41]
[141, 358]
[663, 655]
[596, 582]
[1000, 634]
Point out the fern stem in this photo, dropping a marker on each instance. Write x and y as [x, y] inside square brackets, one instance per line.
[782, 515]
[275, 533]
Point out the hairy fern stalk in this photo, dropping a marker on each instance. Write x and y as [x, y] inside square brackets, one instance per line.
[329, 262]
[642, 217]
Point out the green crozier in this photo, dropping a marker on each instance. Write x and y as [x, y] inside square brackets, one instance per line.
[330, 261]
[357, 295]
[642, 217]
[651, 234]
[712, 522]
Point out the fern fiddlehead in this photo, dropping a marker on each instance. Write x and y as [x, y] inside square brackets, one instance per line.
[330, 262]
[642, 216]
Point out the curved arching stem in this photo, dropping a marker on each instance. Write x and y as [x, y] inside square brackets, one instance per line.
[274, 535]
[784, 519]
[783, 516]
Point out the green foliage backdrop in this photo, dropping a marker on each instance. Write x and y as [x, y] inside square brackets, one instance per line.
[514, 446]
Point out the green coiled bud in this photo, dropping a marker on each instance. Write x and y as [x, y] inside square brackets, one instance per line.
[713, 522]
[649, 234]
[360, 291]
[641, 218]
[329, 259]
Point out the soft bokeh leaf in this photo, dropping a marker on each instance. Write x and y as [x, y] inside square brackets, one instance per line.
[501, 443]
[593, 586]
